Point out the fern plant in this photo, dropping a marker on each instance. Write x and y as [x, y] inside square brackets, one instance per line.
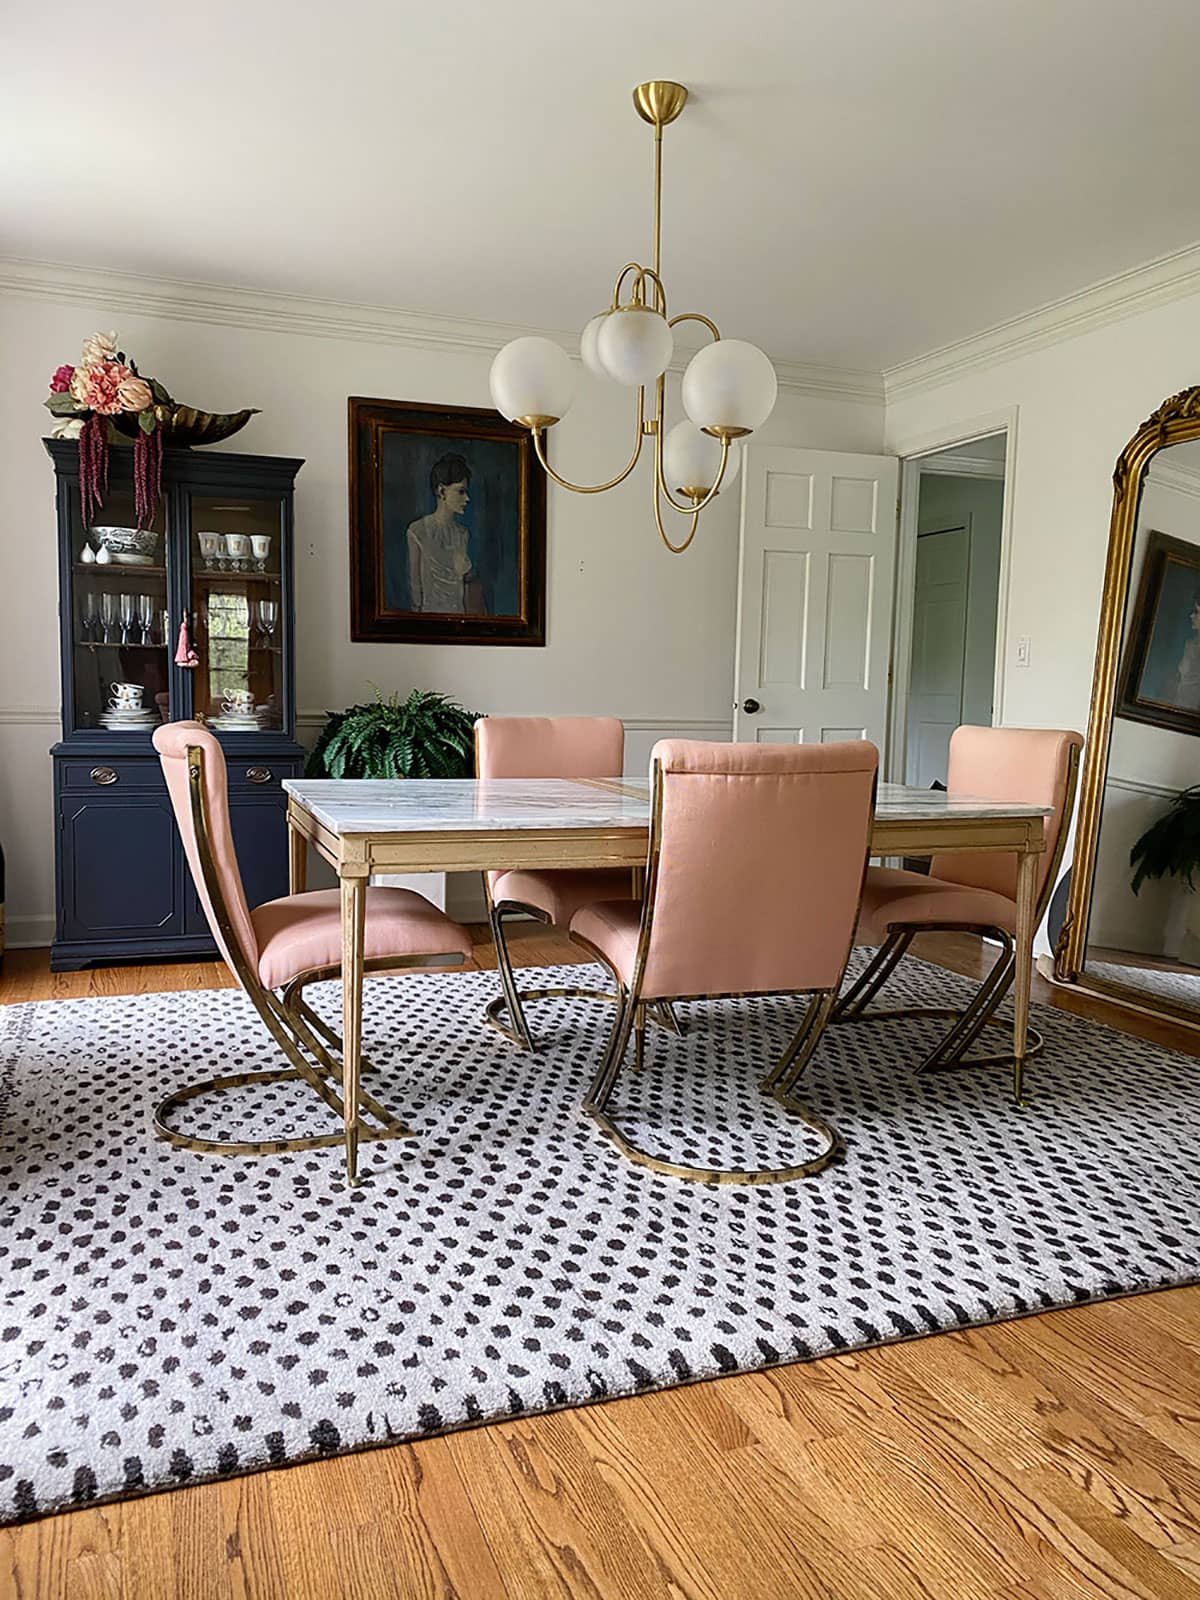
[1170, 847]
[426, 736]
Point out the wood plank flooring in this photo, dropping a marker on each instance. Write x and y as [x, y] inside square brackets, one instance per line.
[1047, 1459]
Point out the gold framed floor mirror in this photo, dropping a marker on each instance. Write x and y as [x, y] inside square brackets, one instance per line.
[1132, 926]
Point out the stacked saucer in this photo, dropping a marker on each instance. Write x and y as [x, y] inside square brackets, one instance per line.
[133, 719]
[235, 722]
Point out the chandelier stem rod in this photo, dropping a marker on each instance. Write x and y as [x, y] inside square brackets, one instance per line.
[594, 488]
[658, 133]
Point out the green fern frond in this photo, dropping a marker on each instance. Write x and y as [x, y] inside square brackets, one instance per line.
[1170, 847]
[426, 735]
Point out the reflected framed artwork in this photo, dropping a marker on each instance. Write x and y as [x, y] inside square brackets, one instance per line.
[1160, 675]
[447, 526]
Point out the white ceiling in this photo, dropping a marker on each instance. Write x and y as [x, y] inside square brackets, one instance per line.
[853, 183]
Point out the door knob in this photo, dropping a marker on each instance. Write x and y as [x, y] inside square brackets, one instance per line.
[751, 706]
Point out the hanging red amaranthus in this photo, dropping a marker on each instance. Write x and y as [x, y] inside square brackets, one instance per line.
[147, 475]
[93, 465]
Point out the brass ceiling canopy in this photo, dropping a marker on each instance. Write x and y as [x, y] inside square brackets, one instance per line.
[729, 387]
[660, 101]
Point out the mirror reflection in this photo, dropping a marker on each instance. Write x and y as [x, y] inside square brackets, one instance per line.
[1144, 930]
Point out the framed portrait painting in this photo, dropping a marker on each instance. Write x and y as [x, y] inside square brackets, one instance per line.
[447, 526]
[1160, 675]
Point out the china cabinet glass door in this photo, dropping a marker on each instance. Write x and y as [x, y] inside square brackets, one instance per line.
[120, 626]
[237, 611]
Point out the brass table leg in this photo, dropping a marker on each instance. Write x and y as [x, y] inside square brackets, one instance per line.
[297, 859]
[354, 921]
[1027, 875]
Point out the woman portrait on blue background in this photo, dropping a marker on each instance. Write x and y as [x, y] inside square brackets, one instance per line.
[1160, 676]
[447, 526]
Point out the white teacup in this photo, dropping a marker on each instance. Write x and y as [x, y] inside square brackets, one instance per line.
[237, 546]
[238, 703]
[126, 696]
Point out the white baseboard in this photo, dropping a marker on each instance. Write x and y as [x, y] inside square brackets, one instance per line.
[28, 933]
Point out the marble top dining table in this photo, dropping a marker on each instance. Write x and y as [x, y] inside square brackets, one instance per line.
[363, 827]
[462, 824]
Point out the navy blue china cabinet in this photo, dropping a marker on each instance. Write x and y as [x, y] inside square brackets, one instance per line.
[218, 555]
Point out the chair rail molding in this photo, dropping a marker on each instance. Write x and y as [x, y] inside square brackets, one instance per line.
[273, 311]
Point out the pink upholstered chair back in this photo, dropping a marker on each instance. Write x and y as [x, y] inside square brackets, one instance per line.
[549, 747]
[761, 864]
[1030, 764]
[173, 740]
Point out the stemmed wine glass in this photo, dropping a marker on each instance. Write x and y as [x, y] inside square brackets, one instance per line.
[145, 616]
[108, 616]
[268, 618]
[128, 610]
[89, 616]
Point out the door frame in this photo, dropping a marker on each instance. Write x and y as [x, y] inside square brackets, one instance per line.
[912, 452]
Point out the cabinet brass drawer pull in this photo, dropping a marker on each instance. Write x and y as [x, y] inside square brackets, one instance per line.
[259, 774]
[104, 775]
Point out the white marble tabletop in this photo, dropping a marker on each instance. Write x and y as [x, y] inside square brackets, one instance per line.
[451, 805]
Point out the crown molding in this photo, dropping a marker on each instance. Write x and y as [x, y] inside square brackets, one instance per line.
[269, 311]
[1184, 480]
[1156, 283]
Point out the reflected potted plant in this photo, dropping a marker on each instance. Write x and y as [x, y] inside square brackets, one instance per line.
[428, 735]
[1170, 848]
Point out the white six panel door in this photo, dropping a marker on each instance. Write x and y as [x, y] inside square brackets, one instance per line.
[815, 583]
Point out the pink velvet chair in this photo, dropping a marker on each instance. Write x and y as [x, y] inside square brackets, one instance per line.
[970, 892]
[285, 945]
[757, 856]
[544, 747]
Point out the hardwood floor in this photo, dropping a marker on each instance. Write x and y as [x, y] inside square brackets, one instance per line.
[1054, 1457]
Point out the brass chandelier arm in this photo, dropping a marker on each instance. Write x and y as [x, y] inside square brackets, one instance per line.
[696, 316]
[675, 549]
[594, 488]
[693, 508]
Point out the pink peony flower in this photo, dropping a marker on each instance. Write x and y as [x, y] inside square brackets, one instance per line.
[134, 394]
[60, 383]
[98, 386]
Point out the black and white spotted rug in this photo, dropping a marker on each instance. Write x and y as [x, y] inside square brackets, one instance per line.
[167, 1317]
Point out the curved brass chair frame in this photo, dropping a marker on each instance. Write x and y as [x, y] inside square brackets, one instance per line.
[951, 1052]
[512, 1000]
[312, 1047]
[778, 1083]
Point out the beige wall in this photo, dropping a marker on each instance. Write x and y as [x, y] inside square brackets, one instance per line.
[631, 629]
[1078, 402]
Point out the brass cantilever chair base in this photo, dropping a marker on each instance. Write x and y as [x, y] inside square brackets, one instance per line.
[778, 1084]
[506, 1013]
[951, 1052]
[315, 1051]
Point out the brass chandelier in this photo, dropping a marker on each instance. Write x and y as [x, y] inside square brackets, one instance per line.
[729, 387]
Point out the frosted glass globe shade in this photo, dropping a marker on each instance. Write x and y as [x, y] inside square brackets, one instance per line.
[635, 345]
[691, 460]
[532, 378]
[729, 385]
[589, 346]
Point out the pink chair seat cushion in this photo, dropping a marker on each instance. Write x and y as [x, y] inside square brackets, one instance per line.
[612, 926]
[303, 931]
[892, 898]
[559, 894]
